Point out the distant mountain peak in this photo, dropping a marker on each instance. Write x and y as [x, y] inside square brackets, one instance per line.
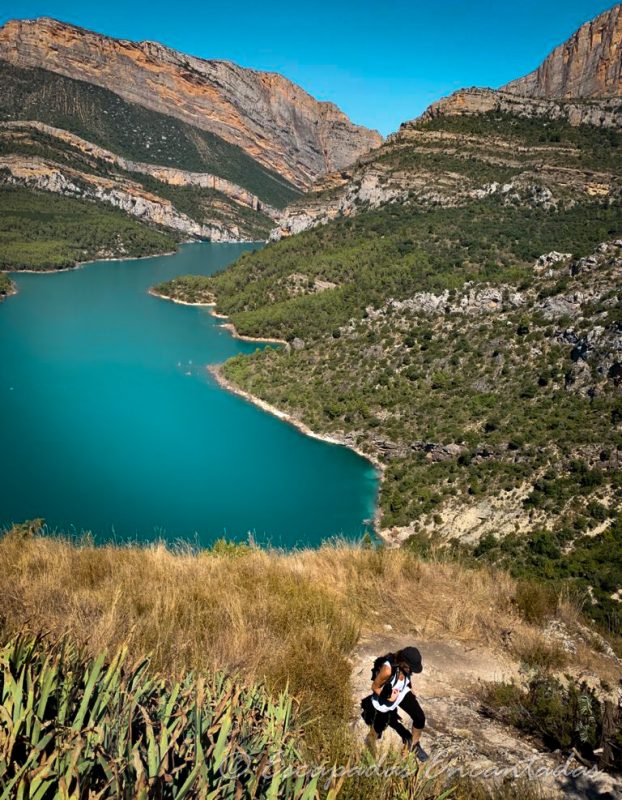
[272, 119]
[588, 64]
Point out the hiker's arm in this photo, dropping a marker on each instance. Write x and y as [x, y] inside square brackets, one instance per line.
[381, 678]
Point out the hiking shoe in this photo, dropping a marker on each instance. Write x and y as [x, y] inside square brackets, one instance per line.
[420, 753]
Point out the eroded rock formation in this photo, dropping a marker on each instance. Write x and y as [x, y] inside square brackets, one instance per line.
[272, 119]
[43, 175]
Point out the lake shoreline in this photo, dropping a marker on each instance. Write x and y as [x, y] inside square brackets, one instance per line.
[233, 331]
[76, 266]
[80, 264]
[153, 293]
[11, 293]
[216, 371]
[227, 326]
[372, 521]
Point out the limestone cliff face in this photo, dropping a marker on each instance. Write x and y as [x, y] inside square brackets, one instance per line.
[47, 176]
[589, 64]
[176, 177]
[603, 113]
[272, 119]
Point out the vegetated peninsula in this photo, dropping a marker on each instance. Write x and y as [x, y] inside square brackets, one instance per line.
[190, 289]
[7, 287]
[453, 302]
[153, 145]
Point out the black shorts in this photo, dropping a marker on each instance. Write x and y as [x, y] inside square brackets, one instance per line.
[379, 720]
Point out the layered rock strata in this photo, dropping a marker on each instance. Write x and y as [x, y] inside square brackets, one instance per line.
[602, 113]
[43, 175]
[275, 121]
[175, 177]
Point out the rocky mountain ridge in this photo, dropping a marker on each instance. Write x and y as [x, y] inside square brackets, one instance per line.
[588, 64]
[170, 175]
[472, 145]
[128, 196]
[578, 85]
[275, 121]
[600, 112]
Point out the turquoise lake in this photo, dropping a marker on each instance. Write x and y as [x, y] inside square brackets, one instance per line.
[112, 424]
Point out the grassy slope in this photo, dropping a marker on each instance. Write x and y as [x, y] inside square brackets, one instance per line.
[284, 618]
[100, 116]
[43, 231]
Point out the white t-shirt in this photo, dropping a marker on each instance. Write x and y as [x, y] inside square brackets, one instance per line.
[402, 685]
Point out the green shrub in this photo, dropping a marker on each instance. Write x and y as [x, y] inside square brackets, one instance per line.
[535, 600]
[564, 715]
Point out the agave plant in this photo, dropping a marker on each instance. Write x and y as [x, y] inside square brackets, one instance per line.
[78, 727]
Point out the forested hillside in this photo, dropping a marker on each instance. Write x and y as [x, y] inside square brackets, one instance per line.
[458, 319]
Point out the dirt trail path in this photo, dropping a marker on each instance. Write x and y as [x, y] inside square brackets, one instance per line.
[457, 733]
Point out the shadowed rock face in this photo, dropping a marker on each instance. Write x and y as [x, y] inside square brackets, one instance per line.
[589, 64]
[272, 119]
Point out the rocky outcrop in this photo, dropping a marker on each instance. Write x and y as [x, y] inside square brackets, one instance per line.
[347, 193]
[596, 352]
[589, 64]
[37, 173]
[420, 165]
[175, 177]
[272, 119]
[474, 300]
[595, 349]
[593, 280]
[605, 113]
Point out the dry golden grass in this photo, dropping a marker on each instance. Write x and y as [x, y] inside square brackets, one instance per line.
[536, 651]
[280, 616]
[285, 617]
[289, 618]
[240, 607]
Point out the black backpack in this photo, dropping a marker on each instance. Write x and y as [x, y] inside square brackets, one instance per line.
[378, 663]
[368, 712]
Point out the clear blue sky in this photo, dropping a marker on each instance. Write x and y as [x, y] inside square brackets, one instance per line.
[381, 62]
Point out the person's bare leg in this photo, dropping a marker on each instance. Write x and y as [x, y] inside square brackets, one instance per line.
[372, 742]
[416, 736]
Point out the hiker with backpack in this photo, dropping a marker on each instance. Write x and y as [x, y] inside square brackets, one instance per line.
[391, 690]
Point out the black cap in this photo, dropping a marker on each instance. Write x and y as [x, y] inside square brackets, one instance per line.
[413, 656]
